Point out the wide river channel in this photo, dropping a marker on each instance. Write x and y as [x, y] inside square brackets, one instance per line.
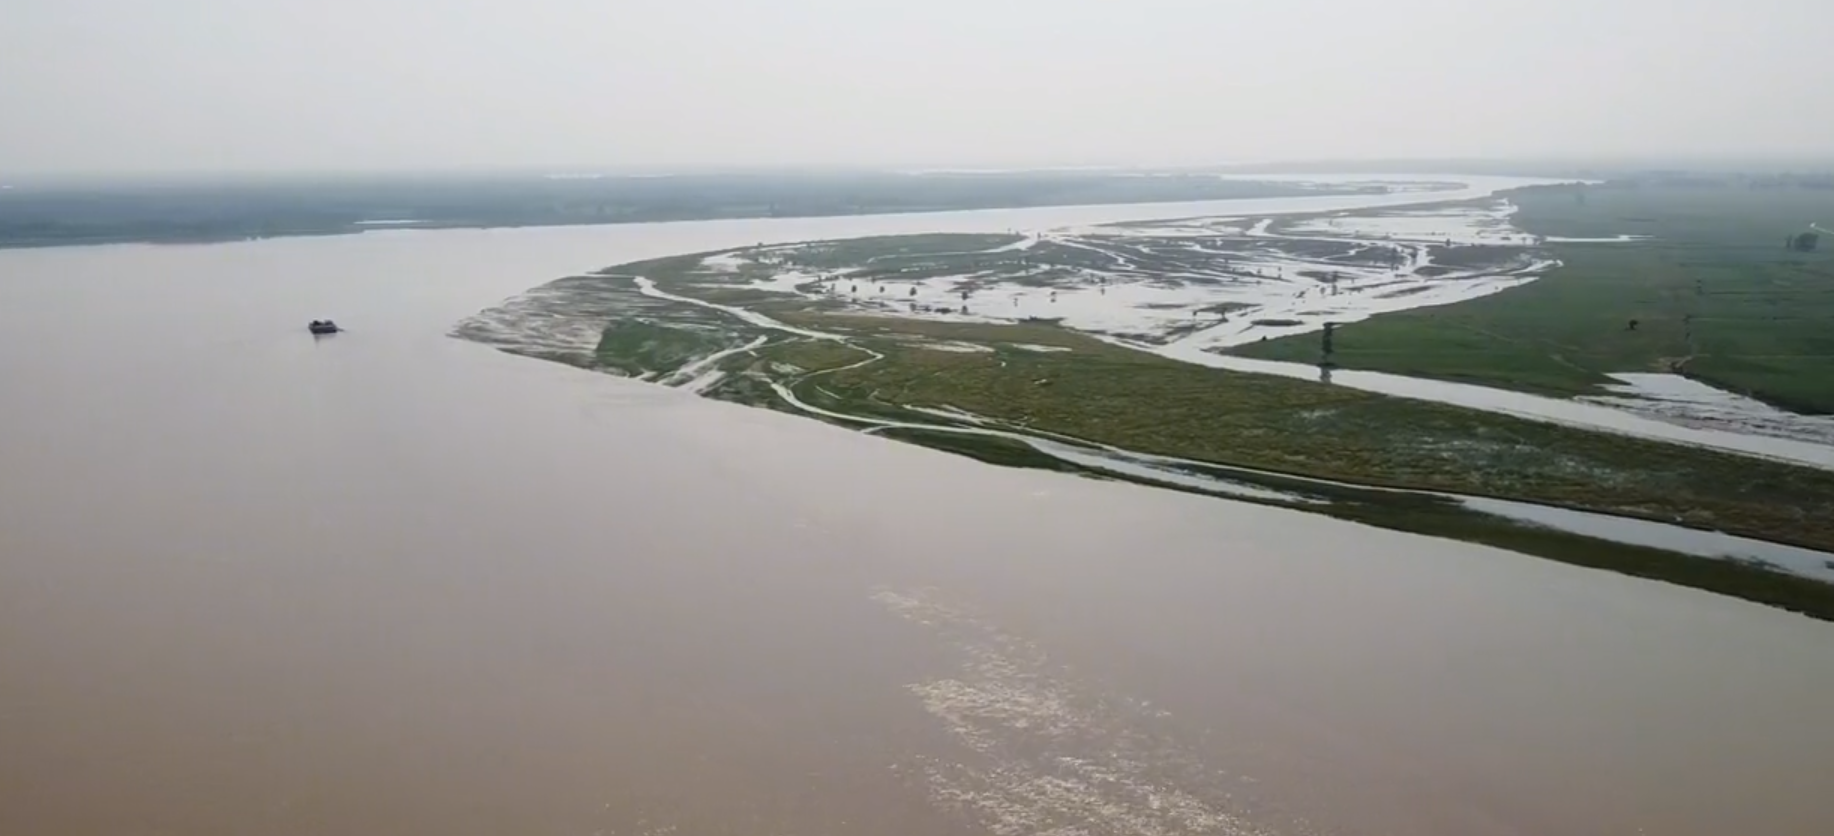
[392, 582]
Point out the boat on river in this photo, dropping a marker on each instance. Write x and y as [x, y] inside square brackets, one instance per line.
[321, 327]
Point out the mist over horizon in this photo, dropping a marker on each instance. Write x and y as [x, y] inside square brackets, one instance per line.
[1526, 166]
[221, 86]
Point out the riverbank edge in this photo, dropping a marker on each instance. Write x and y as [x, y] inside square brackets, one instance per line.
[1744, 580]
[1404, 509]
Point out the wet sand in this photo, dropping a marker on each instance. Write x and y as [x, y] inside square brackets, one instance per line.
[391, 582]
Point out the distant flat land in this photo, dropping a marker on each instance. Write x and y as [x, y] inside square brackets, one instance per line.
[1715, 293]
[56, 214]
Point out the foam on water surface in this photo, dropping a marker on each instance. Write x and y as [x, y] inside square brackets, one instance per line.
[1048, 754]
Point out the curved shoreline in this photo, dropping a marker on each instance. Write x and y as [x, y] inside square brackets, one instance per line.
[580, 306]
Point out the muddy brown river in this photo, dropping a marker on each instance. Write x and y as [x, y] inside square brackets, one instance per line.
[395, 583]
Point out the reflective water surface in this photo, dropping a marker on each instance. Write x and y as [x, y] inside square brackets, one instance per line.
[391, 582]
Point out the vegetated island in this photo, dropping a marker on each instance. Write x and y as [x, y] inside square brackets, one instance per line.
[1059, 351]
[185, 211]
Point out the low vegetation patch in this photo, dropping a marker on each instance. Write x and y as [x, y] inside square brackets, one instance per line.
[1143, 402]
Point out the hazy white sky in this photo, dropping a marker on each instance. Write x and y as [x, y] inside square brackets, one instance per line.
[136, 85]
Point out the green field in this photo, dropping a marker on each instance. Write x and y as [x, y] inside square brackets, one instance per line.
[638, 347]
[1715, 294]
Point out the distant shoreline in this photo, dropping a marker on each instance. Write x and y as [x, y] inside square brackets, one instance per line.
[360, 228]
[219, 214]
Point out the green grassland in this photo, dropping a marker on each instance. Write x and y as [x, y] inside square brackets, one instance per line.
[1255, 428]
[1142, 402]
[1270, 431]
[1103, 393]
[637, 347]
[1715, 294]
[1275, 433]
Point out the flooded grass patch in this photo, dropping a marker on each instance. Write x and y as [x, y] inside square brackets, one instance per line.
[962, 362]
[638, 347]
[1145, 403]
[1713, 293]
[1476, 257]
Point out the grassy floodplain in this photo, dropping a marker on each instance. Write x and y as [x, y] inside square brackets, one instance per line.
[1716, 295]
[1150, 404]
[1141, 402]
[944, 380]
